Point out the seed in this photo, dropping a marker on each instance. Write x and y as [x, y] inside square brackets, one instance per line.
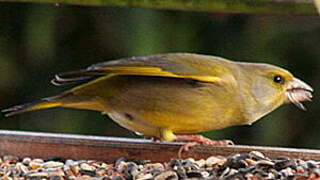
[68, 170]
[70, 162]
[213, 160]
[157, 166]
[75, 169]
[38, 160]
[52, 164]
[34, 165]
[143, 176]
[10, 159]
[101, 172]
[87, 172]
[201, 162]
[282, 164]
[26, 160]
[22, 168]
[38, 175]
[194, 174]
[251, 162]
[256, 154]
[167, 175]
[265, 163]
[56, 178]
[87, 167]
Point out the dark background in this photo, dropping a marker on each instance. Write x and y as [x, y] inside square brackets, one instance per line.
[38, 41]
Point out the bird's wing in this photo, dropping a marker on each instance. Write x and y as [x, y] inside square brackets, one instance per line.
[178, 65]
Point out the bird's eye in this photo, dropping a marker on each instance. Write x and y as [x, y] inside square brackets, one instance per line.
[278, 79]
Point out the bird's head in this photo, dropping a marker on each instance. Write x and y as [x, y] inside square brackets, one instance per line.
[271, 86]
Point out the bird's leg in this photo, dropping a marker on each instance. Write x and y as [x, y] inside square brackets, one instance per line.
[202, 140]
[193, 140]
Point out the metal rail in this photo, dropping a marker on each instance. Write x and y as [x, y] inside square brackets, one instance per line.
[44, 145]
[279, 7]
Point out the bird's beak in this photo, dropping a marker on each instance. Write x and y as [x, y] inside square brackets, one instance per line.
[297, 92]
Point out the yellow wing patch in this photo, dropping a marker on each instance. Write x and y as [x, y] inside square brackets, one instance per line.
[156, 71]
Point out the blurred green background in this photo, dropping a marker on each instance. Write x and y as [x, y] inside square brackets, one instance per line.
[38, 41]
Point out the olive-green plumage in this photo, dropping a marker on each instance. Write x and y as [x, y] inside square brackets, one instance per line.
[179, 93]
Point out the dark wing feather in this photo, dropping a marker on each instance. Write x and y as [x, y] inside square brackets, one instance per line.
[75, 77]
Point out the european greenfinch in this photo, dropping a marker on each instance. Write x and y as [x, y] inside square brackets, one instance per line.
[169, 96]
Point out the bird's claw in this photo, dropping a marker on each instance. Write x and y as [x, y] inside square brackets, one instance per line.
[199, 140]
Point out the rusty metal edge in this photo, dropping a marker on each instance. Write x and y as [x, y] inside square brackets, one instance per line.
[109, 148]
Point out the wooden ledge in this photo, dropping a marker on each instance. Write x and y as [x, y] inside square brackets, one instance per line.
[44, 145]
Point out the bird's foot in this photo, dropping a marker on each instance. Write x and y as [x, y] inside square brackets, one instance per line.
[194, 140]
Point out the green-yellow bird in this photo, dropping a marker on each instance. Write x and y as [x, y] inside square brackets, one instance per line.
[170, 96]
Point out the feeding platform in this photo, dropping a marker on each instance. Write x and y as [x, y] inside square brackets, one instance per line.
[63, 156]
[34, 144]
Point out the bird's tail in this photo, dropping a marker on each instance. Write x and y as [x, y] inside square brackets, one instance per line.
[67, 99]
[41, 104]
